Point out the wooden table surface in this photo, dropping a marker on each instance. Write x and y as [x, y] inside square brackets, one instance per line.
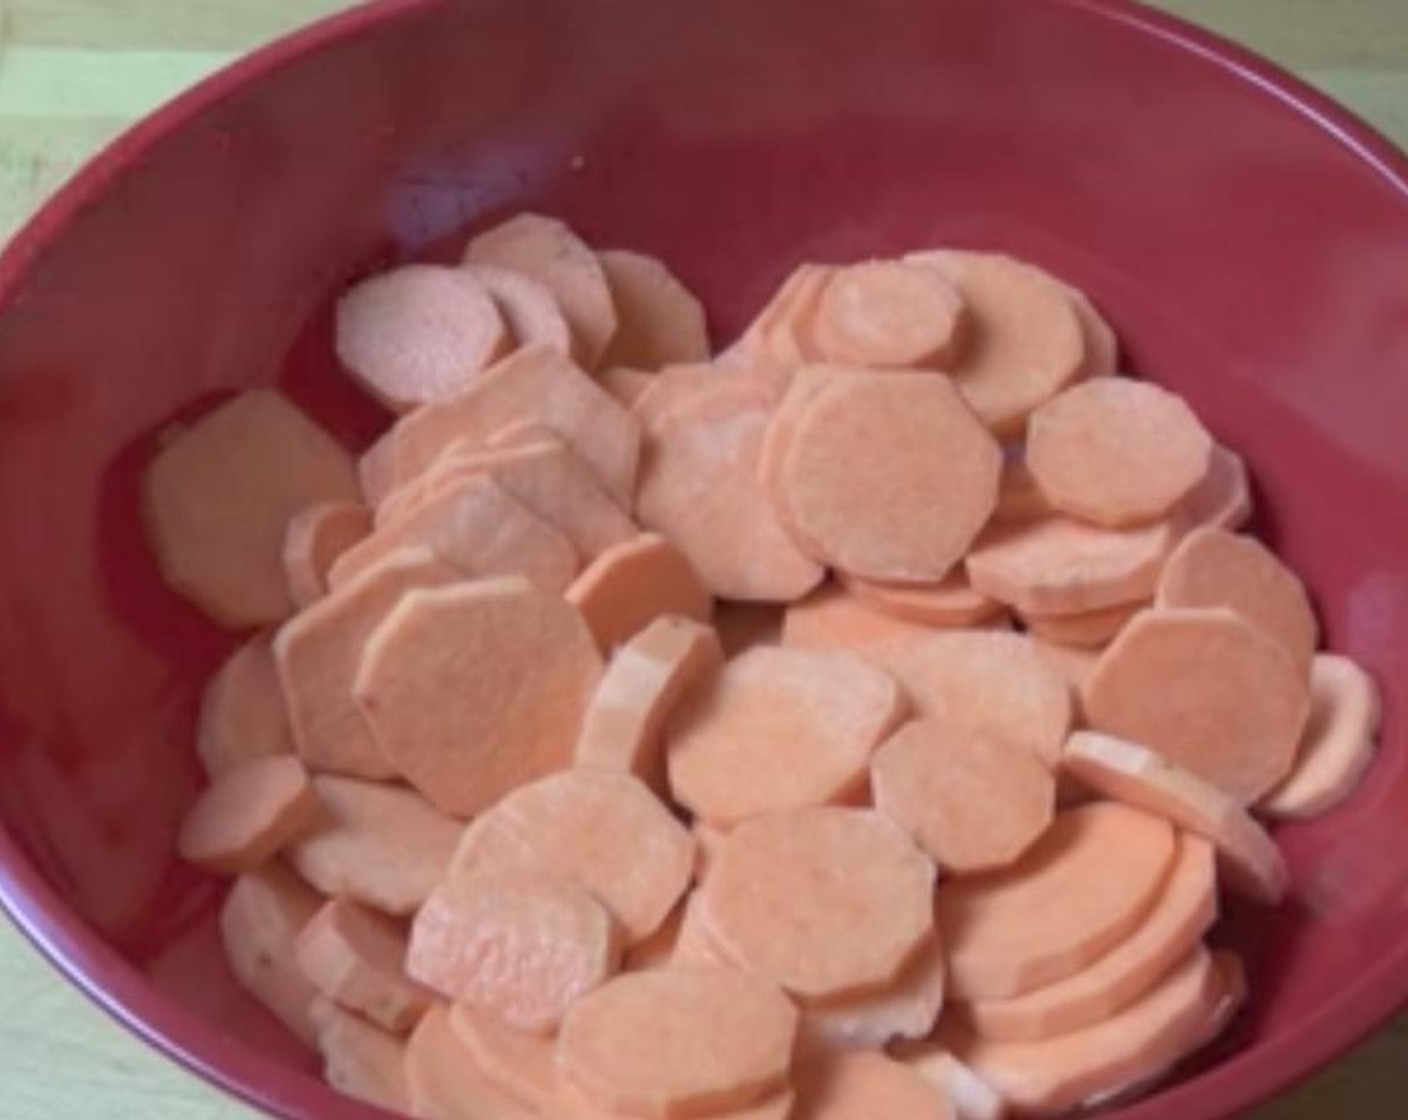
[73, 72]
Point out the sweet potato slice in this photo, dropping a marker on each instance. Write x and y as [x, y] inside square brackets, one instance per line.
[363, 1061]
[1338, 743]
[1018, 929]
[474, 689]
[317, 535]
[529, 310]
[1130, 773]
[444, 1081]
[217, 500]
[973, 802]
[864, 913]
[661, 321]
[986, 683]
[585, 826]
[1207, 690]
[1185, 909]
[535, 383]
[953, 601]
[779, 729]
[547, 250]
[1214, 568]
[633, 583]
[317, 653]
[381, 845]
[866, 1086]
[1117, 452]
[248, 815]
[418, 333]
[1051, 1076]
[1058, 566]
[475, 526]
[888, 314]
[242, 711]
[909, 438]
[674, 1043]
[524, 949]
[699, 488]
[644, 682]
[356, 957]
[1025, 343]
[259, 920]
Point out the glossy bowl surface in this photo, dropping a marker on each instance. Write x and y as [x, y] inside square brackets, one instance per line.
[1247, 238]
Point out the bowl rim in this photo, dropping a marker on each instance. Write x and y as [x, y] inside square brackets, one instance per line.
[120, 990]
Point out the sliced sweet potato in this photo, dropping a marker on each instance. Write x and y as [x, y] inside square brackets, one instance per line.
[317, 535]
[584, 826]
[673, 1043]
[242, 711]
[1207, 690]
[660, 320]
[633, 583]
[547, 250]
[1018, 929]
[217, 500]
[381, 845]
[779, 728]
[866, 1086]
[865, 910]
[248, 815]
[363, 1061]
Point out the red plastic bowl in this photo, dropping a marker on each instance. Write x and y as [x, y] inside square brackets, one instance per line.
[1246, 237]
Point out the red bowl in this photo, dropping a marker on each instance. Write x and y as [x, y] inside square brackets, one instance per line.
[1246, 236]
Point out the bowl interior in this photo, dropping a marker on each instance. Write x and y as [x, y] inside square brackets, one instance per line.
[1249, 254]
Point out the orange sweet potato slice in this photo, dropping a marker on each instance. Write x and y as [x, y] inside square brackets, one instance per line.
[535, 383]
[1025, 343]
[218, 498]
[474, 689]
[1185, 909]
[317, 653]
[633, 583]
[972, 1097]
[529, 310]
[866, 1086]
[445, 1083]
[1214, 568]
[317, 535]
[625, 384]
[1051, 1076]
[1085, 629]
[826, 901]
[987, 683]
[909, 438]
[833, 617]
[356, 957]
[242, 711]
[1130, 773]
[1207, 690]
[381, 845]
[907, 1009]
[643, 683]
[479, 529]
[248, 815]
[524, 949]
[1017, 929]
[973, 802]
[585, 826]
[888, 314]
[363, 1061]
[1338, 743]
[418, 333]
[1116, 452]
[953, 601]
[699, 488]
[661, 321]
[674, 1043]
[546, 250]
[259, 920]
[1055, 565]
[800, 724]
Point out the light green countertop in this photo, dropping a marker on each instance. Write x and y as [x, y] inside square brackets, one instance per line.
[74, 72]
